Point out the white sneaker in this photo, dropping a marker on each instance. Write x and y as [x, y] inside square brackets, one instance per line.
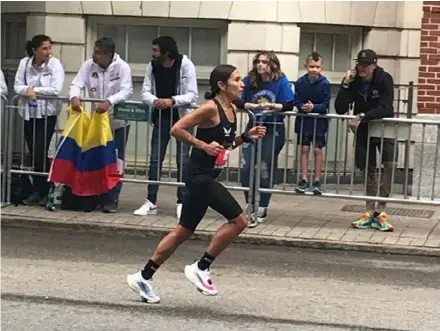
[261, 214]
[148, 208]
[201, 279]
[179, 207]
[143, 287]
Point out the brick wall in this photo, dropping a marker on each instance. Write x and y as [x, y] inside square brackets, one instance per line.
[428, 100]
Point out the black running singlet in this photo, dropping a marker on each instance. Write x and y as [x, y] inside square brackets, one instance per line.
[224, 133]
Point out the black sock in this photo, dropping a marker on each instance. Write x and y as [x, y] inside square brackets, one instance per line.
[205, 261]
[149, 270]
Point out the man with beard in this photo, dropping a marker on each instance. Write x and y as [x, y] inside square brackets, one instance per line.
[106, 76]
[371, 89]
[170, 84]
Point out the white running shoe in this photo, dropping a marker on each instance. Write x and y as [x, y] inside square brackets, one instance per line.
[261, 214]
[201, 279]
[148, 208]
[179, 207]
[143, 287]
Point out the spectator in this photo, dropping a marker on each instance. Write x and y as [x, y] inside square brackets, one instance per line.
[312, 95]
[372, 91]
[170, 84]
[3, 85]
[106, 76]
[39, 73]
[264, 84]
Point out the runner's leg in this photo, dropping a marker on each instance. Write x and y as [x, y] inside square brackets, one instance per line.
[221, 200]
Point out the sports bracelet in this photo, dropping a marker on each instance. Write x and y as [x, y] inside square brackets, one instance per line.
[244, 136]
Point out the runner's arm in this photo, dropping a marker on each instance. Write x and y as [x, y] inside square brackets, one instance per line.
[204, 113]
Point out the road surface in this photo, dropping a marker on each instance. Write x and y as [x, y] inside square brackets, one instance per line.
[68, 280]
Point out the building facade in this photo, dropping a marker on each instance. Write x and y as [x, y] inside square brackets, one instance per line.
[213, 32]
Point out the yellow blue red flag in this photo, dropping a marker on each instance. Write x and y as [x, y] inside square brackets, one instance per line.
[85, 159]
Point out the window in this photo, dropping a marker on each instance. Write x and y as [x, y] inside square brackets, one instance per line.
[203, 42]
[13, 39]
[337, 46]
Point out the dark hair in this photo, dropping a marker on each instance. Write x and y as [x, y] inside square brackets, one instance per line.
[36, 42]
[166, 45]
[106, 44]
[220, 73]
[315, 56]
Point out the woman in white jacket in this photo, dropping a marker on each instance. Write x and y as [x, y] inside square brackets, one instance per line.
[39, 73]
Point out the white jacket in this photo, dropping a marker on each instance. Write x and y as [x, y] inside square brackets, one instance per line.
[187, 92]
[48, 79]
[113, 84]
[3, 86]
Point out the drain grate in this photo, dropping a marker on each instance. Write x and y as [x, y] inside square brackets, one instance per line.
[393, 211]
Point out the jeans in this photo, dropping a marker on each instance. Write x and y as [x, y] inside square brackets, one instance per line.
[159, 143]
[271, 145]
[120, 137]
[40, 140]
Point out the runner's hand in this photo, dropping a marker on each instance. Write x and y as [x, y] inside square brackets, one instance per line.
[213, 148]
[257, 132]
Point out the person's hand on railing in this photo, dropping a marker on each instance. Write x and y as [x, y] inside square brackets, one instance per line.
[30, 93]
[163, 103]
[75, 104]
[308, 107]
[354, 123]
[266, 106]
[103, 107]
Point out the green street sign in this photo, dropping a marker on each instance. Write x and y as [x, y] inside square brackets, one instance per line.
[134, 112]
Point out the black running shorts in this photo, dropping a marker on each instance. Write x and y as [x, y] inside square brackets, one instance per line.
[203, 192]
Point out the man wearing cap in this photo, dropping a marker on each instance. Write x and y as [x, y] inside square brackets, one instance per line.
[371, 89]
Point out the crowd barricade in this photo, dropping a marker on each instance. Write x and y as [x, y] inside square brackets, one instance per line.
[417, 159]
[137, 167]
[4, 141]
[413, 176]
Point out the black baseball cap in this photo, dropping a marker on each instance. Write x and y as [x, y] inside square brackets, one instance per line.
[367, 56]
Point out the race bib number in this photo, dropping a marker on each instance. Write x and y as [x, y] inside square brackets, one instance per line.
[222, 159]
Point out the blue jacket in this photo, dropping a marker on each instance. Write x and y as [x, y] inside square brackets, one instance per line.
[318, 93]
[278, 91]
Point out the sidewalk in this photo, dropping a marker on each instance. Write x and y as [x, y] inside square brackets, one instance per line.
[297, 221]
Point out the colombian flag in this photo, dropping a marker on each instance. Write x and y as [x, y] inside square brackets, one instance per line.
[85, 159]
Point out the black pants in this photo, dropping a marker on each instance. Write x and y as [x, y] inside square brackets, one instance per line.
[203, 192]
[38, 136]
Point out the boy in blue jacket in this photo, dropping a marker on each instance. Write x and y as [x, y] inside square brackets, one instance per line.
[312, 96]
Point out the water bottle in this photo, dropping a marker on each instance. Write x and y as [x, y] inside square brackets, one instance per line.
[33, 103]
[55, 197]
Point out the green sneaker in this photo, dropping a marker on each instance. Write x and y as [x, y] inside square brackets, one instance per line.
[380, 222]
[363, 222]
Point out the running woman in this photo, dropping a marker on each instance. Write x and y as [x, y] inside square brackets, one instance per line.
[216, 135]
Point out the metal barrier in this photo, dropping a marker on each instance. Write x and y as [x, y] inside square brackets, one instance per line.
[22, 161]
[389, 137]
[340, 180]
[4, 140]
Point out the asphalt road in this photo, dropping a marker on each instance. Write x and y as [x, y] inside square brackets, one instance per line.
[66, 280]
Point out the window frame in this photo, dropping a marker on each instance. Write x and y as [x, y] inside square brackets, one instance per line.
[138, 70]
[6, 18]
[355, 35]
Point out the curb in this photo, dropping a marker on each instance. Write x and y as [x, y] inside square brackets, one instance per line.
[25, 222]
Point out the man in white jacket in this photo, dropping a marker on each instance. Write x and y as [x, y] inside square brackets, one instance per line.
[170, 86]
[106, 76]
